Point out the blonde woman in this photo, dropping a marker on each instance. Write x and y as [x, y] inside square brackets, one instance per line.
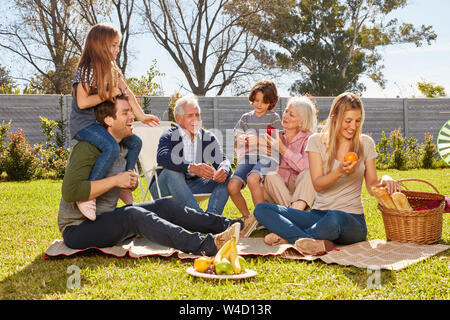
[291, 184]
[337, 215]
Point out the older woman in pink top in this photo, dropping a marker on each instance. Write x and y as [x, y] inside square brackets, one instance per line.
[291, 184]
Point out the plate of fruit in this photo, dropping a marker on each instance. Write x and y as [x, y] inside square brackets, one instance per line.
[227, 264]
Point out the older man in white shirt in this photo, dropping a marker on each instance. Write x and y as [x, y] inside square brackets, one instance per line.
[193, 161]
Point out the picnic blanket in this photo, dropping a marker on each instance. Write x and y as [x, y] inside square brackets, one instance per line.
[373, 254]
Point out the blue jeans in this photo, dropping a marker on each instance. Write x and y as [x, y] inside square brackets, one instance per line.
[98, 136]
[161, 221]
[174, 183]
[253, 164]
[291, 224]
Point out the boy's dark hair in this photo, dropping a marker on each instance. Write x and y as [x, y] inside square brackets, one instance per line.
[268, 89]
[107, 108]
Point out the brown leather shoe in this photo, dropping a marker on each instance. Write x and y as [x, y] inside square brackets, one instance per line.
[221, 238]
[250, 223]
[309, 246]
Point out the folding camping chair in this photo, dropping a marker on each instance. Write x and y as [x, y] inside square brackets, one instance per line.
[147, 157]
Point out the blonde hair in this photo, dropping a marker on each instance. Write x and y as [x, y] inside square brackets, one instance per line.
[344, 102]
[97, 54]
[306, 110]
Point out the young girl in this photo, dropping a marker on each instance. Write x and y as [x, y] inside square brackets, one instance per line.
[337, 214]
[253, 162]
[97, 79]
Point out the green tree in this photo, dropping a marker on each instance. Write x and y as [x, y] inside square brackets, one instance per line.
[430, 90]
[146, 85]
[5, 77]
[330, 44]
[7, 84]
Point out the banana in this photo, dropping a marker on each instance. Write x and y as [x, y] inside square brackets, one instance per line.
[227, 253]
[224, 252]
[234, 257]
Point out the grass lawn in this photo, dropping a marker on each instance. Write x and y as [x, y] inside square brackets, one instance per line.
[28, 215]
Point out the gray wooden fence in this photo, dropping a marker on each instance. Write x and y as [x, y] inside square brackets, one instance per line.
[415, 117]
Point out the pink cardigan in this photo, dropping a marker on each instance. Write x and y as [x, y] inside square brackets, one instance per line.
[295, 159]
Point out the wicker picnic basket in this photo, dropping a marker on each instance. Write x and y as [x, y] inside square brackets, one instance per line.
[424, 227]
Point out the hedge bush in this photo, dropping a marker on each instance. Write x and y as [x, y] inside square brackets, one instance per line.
[21, 161]
[18, 159]
[398, 152]
[48, 160]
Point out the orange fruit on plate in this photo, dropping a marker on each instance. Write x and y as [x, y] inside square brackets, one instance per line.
[351, 156]
[202, 264]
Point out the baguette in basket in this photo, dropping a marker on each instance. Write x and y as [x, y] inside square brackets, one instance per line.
[383, 197]
[400, 201]
[406, 225]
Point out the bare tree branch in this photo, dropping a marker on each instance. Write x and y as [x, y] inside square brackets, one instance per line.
[39, 36]
[95, 11]
[209, 47]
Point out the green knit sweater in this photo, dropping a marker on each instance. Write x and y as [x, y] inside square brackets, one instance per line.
[77, 187]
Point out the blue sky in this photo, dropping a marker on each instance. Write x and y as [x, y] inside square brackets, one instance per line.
[405, 65]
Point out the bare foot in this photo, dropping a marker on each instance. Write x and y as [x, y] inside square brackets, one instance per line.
[273, 239]
[299, 205]
[313, 247]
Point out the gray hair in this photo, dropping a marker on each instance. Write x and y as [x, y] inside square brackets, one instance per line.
[307, 111]
[178, 109]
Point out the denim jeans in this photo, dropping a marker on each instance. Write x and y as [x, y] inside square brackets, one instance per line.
[102, 140]
[254, 163]
[161, 221]
[174, 183]
[291, 224]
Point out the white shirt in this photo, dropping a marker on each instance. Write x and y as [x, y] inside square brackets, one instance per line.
[189, 147]
[190, 150]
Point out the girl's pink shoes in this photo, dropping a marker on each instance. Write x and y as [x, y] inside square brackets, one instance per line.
[88, 208]
[126, 196]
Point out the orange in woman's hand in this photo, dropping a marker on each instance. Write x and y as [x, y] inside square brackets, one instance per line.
[351, 156]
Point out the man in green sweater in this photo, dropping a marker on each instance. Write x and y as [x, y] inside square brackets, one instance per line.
[161, 221]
